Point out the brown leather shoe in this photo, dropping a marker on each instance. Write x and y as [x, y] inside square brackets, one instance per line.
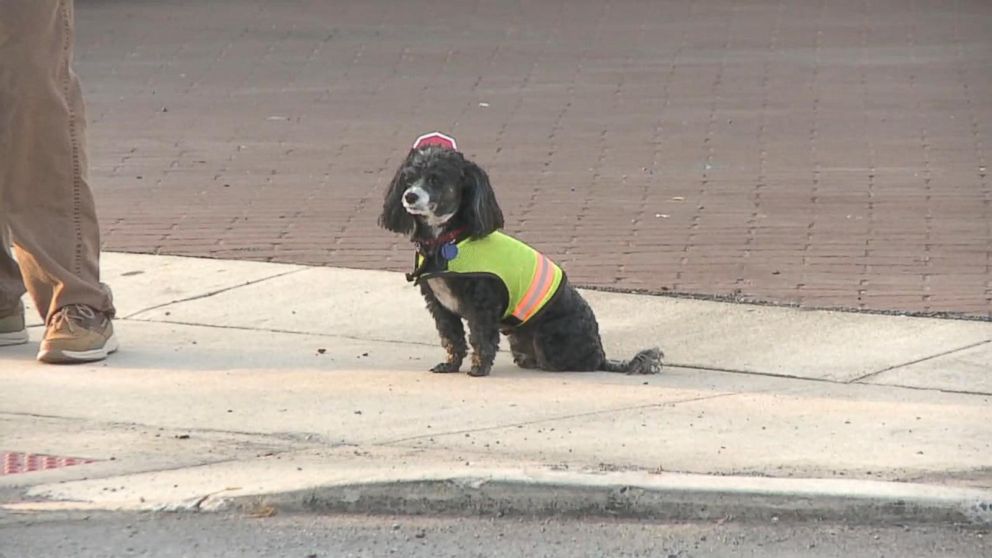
[77, 333]
[12, 330]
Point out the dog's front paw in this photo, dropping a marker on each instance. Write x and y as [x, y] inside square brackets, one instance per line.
[446, 367]
[478, 371]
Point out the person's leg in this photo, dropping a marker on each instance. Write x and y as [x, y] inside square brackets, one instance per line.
[12, 330]
[46, 200]
[11, 284]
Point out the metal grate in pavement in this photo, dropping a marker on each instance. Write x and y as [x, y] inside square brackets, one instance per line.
[20, 462]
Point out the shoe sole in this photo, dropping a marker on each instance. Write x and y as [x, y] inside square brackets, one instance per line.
[69, 357]
[14, 338]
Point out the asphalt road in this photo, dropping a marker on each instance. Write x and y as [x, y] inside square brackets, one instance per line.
[304, 536]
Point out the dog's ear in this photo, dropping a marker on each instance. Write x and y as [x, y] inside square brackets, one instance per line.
[481, 211]
[394, 217]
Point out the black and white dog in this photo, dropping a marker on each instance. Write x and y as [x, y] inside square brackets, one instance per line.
[446, 205]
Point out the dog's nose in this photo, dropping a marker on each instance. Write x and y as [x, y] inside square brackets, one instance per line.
[411, 197]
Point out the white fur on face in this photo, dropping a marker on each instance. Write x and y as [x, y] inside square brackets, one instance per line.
[424, 207]
[436, 221]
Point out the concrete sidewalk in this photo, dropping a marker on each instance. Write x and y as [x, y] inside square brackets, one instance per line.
[240, 379]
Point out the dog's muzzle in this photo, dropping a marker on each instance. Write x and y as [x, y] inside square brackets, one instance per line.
[416, 201]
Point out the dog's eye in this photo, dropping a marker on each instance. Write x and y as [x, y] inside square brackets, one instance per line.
[432, 180]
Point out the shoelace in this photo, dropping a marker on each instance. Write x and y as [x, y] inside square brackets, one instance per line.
[70, 314]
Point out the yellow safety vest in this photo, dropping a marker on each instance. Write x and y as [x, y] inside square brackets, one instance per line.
[531, 278]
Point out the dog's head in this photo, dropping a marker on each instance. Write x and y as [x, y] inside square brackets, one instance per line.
[436, 186]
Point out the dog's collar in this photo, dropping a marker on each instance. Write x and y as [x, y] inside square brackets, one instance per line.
[424, 246]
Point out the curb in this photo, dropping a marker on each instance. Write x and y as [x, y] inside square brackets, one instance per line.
[670, 497]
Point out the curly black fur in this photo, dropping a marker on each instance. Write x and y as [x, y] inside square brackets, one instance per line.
[436, 191]
[460, 186]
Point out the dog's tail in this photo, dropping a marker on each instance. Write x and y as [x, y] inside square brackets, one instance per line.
[647, 361]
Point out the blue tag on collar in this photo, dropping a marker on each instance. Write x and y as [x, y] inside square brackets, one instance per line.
[449, 252]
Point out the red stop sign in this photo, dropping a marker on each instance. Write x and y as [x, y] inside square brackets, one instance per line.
[436, 138]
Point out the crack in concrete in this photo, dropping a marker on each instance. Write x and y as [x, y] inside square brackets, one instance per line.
[749, 300]
[829, 381]
[672, 403]
[285, 331]
[860, 379]
[707, 368]
[213, 293]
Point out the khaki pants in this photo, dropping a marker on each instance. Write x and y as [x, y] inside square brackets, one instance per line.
[46, 208]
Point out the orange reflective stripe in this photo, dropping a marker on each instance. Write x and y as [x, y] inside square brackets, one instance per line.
[527, 299]
[544, 292]
[539, 287]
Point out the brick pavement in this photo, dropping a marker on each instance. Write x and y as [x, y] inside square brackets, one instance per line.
[825, 154]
